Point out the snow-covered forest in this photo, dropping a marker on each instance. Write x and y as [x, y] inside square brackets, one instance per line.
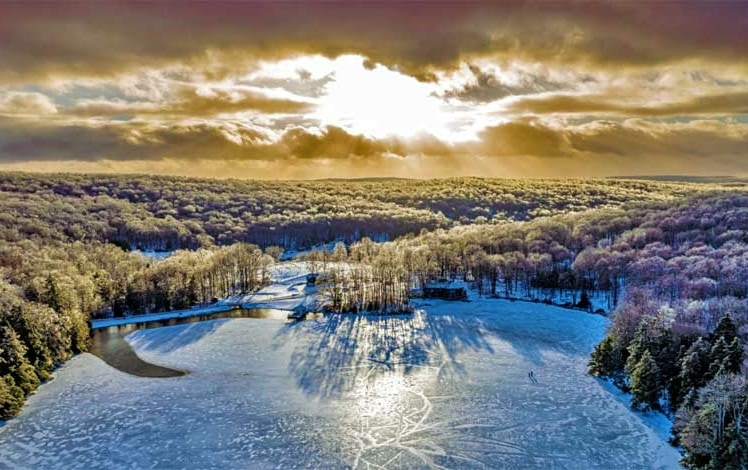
[668, 261]
[167, 213]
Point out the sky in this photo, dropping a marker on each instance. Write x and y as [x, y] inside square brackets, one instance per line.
[296, 90]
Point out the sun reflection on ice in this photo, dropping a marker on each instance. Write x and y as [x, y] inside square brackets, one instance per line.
[384, 373]
[390, 413]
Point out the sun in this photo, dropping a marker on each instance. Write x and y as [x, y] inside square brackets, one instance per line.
[379, 102]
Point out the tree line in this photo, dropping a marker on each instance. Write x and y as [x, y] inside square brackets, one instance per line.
[170, 213]
[49, 291]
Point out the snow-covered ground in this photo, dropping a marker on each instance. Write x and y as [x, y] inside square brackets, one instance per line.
[287, 292]
[222, 306]
[445, 387]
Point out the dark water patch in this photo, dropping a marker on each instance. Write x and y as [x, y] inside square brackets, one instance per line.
[109, 343]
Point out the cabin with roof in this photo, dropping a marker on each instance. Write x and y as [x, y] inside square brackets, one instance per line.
[444, 290]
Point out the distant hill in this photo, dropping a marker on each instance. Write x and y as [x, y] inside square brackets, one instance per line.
[686, 179]
[166, 213]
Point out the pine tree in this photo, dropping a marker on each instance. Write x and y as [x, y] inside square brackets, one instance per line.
[719, 357]
[694, 372]
[644, 383]
[666, 352]
[13, 362]
[735, 355]
[11, 398]
[54, 294]
[641, 342]
[601, 361]
[12, 351]
[636, 349]
[726, 329]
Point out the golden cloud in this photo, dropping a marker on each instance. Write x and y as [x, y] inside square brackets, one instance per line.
[735, 102]
[532, 147]
[73, 39]
[190, 101]
[523, 138]
[708, 140]
[26, 103]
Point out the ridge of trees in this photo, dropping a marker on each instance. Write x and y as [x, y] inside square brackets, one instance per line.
[169, 213]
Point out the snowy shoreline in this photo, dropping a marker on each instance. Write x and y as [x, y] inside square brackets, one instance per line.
[288, 291]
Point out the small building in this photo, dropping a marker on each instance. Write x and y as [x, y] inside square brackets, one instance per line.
[298, 313]
[445, 291]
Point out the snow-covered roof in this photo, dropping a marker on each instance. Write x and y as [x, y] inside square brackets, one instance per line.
[445, 284]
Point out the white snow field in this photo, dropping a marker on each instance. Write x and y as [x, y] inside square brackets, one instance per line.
[446, 387]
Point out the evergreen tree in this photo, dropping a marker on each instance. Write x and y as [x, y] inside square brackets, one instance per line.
[644, 341]
[636, 349]
[54, 294]
[674, 385]
[694, 372]
[609, 359]
[601, 362]
[726, 329]
[725, 358]
[12, 351]
[13, 362]
[666, 352]
[645, 383]
[735, 355]
[712, 428]
[11, 398]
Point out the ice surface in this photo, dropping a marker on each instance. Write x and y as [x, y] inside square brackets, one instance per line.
[445, 387]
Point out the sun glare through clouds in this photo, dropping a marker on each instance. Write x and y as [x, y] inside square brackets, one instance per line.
[268, 90]
[379, 102]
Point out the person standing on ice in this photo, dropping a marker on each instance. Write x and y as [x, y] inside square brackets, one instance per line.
[532, 377]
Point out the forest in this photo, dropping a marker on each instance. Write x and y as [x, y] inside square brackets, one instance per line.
[169, 213]
[669, 258]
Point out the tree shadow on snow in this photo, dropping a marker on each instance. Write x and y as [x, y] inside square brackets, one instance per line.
[331, 355]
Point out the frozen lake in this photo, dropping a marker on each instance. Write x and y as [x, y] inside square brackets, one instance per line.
[447, 387]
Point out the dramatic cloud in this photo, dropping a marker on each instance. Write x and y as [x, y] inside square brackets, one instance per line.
[637, 139]
[388, 88]
[26, 103]
[614, 147]
[522, 138]
[485, 86]
[73, 38]
[720, 104]
[193, 102]
[91, 141]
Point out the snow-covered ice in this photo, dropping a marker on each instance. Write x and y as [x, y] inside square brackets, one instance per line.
[445, 387]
